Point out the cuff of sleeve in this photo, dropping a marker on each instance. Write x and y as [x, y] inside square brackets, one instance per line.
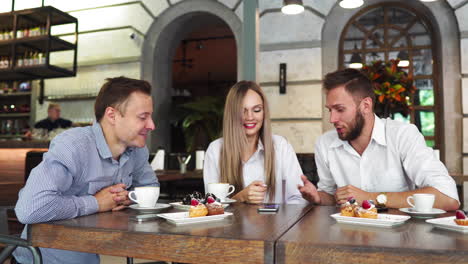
[88, 205]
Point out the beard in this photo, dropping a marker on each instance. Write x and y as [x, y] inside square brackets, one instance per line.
[355, 128]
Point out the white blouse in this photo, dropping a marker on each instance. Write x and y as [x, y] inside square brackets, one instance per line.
[287, 169]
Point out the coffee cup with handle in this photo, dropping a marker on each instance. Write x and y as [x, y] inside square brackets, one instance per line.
[145, 197]
[221, 190]
[423, 202]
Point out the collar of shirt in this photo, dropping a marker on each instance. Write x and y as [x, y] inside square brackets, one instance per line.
[378, 135]
[103, 148]
[260, 148]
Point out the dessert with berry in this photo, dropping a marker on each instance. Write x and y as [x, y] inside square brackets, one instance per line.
[197, 209]
[348, 208]
[460, 218]
[367, 210]
[214, 207]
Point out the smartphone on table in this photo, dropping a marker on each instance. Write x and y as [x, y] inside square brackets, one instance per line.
[268, 208]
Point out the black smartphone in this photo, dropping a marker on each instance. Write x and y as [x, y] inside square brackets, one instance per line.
[269, 208]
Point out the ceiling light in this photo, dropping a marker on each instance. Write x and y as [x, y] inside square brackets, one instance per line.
[428, 0]
[292, 7]
[351, 3]
[404, 58]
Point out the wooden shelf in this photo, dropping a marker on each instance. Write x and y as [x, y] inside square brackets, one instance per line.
[34, 72]
[38, 16]
[37, 43]
[16, 94]
[43, 17]
[70, 97]
[12, 115]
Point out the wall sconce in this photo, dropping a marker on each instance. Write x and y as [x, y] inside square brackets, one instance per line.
[292, 7]
[356, 60]
[282, 78]
[349, 4]
[404, 59]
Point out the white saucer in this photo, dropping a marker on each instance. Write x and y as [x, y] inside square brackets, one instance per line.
[228, 201]
[433, 213]
[158, 207]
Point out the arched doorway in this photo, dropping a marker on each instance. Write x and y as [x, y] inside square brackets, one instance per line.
[388, 31]
[447, 43]
[160, 47]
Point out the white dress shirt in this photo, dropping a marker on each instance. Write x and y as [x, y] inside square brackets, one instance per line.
[396, 160]
[287, 169]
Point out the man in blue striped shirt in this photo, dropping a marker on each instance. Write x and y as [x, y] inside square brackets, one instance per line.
[89, 170]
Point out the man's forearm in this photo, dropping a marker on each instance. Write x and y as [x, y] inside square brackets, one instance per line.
[398, 199]
[326, 198]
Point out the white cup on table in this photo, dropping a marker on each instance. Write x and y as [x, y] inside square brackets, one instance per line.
[145, 196]
[423, 202]
[221, 190]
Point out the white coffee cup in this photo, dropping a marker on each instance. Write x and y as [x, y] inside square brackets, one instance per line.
[145, 196]
[423, 202]
[221, 190]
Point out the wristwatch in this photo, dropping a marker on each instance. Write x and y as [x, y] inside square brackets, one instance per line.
[382, 199]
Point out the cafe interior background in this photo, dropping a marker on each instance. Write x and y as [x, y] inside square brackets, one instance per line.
[194, 50]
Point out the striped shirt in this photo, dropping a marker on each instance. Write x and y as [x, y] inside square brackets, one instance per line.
[78, 164]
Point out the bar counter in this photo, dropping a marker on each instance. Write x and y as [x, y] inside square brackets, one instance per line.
[10, 143]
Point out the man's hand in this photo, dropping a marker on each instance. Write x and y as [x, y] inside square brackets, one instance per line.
[254, 193]
[120, 196]
[343, 193]
[107, 199]
[308, 191]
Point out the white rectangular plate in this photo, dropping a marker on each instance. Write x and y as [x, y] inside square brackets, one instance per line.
[448, 223]
[183, 218]
[383, 220]
[180, 206]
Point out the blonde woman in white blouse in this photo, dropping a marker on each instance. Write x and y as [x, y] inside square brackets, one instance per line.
[263, 167]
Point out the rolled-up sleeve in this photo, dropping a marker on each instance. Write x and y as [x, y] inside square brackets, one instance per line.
[421, 165]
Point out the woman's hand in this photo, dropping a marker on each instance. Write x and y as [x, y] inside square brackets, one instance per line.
[254, 193]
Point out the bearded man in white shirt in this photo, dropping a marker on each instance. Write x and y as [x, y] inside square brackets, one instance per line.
[369, 158]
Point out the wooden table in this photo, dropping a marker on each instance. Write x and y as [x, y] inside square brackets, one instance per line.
[317, 238]
[245, 237]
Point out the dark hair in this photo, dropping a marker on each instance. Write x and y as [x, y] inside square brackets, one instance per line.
[354, 81]
[115, 93]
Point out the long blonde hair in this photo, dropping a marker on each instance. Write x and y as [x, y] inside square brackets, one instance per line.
[235, 139]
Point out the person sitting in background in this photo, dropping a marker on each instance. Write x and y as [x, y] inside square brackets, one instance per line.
[249, 156]
[369, 158]
[89, 169]
[53, 120]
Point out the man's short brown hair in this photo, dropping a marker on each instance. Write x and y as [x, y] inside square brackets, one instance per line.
[354, 81]
[115, 93]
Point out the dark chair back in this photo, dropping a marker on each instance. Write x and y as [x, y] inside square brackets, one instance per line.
[33, 158]
[307, 162]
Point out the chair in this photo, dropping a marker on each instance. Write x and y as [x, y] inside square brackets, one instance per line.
[309, 168]
[14, 241]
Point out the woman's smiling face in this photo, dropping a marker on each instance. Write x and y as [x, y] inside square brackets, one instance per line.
[253, 114]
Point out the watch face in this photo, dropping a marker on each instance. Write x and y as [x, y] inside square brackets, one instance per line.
[382, 198]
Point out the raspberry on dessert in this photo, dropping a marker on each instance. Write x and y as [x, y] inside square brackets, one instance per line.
[210, 200]
[366, 204]
[459, 214]
[194, 202]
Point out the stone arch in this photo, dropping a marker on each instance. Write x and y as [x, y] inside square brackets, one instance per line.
[446, 36]
[160, 45]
